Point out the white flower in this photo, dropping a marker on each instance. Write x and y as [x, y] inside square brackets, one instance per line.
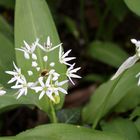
[130, 61]
[30, 73]
[63, 57]
[34, 64]
[49, 82]
[45, 58]
[29, 50]
[52, 64]
[23, 87]
[16, 73]
[137, 44]
[2, 92]
[38, 68]
[48, 88]
[71, 73]
[54, 74]
[48, 45]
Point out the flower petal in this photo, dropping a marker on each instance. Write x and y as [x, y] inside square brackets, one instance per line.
[41, 94]
[125, 65]
[62, 90]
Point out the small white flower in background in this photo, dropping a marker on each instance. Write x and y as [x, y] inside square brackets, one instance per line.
[48, 78]
[29, 50]
[2, 92]
[16, 73]
[130, 61]
[71, 73]
[23, 87]
[63, 57]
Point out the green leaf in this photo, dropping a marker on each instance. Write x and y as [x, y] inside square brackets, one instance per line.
[123, 127]
[71, 26]
[107, 52]
[69, 115]
[6, 29]
[8, 3]
[108, 95]
[137, 123]
[130, 101]
[9, 101]
[118, 8]
[133, 5]
[7, 52]
[33, 20]
[7, 56]
[94, 78]
[135, 113]
[64, 132]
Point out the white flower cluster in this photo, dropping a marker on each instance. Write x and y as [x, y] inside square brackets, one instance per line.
[130, 61]
[48, 82]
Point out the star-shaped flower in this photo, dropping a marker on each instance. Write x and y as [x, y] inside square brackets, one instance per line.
[29, 50]
[16, 73]
[63, 59]
[49, 88]
[48, 45]
[23, 87]
[54, 74]
[71, 73]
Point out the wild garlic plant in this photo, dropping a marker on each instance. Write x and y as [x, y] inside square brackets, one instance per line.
[130, 61]
[48, 82]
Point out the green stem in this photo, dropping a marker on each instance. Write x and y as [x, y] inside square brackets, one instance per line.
[53, 117]
[82, 19]
[102, 24]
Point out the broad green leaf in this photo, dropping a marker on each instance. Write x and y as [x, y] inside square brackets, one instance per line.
[33, 20]
[133, 5]
[69, 115]
[107, 52]
[6, 29]
[130, 101]
[64, 132]
[109, 94]
[9, 101]
[123, 127]
[7, 56]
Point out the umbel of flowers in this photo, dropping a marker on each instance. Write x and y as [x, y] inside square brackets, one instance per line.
[48, 82]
